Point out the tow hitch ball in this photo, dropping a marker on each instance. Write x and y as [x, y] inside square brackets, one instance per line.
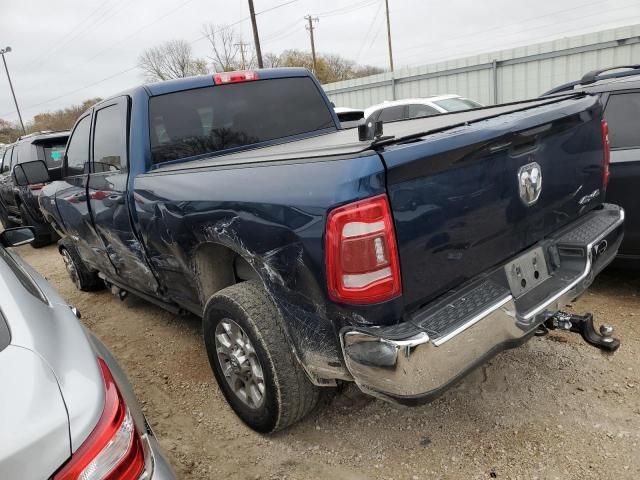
[582, 324]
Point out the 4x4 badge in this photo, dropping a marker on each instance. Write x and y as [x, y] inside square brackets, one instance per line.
[530, 183]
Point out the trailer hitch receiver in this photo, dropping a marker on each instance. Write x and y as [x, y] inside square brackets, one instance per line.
[582, 324]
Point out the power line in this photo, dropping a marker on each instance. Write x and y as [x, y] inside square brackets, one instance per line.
[535, 27]
[276, 7]
[106, 15]
[283, 32]
[122, 72]
[373, 21]
[499, 27]
[70, 32]
[103, 19]
[207, 35]
[136, 32]
[375, 37]
[347, 9]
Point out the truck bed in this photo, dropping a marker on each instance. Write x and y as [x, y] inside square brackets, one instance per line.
[345, 142]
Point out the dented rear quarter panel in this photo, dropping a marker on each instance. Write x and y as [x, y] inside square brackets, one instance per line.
[273, 216]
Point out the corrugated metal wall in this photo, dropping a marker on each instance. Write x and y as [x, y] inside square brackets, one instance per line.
[510, 75]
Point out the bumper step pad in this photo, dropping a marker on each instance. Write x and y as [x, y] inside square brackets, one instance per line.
[591, 228]
[447, 316]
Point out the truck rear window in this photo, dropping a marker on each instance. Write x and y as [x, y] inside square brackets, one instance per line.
[53, 153]
[212, 119]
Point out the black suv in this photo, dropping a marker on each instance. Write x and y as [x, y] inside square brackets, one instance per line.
[19, 205]
[619, 88]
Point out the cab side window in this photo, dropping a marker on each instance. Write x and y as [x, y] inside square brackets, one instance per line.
[9, 160]
[25, 152]
[78, 149]
[6, 160]
[623, 116]
[110, 139]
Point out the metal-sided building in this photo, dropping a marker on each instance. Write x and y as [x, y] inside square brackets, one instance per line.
[500, 76]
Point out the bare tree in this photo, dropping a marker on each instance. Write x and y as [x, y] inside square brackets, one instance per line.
[366, 70]
[172, 59]
[340, 67]
[271, 60]
[228, 50]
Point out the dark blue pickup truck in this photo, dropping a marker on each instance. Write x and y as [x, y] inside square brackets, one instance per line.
[397, 259]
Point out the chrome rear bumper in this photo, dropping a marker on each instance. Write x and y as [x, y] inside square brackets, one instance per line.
[410, 363]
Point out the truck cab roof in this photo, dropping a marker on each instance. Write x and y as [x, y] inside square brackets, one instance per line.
[605, 80]
[199, 81]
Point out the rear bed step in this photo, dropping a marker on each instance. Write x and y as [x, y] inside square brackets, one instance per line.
[460, 310]
[594, 224]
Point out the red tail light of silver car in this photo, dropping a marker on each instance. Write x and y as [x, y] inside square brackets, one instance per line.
[113, 450]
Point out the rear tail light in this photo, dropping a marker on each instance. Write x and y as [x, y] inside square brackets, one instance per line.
[235, 77]
[113, 450]
[36, 186]
[606, 147]
[361, 253]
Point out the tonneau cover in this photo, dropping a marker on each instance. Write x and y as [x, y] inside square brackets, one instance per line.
[345, 142]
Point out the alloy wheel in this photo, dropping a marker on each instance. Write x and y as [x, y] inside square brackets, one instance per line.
[239, 363]
[71, 268]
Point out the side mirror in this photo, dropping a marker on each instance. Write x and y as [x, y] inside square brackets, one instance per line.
[30, 173]
[14, 237]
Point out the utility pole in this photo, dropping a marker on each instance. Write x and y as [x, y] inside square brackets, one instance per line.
[256, 39]
[6, 69]
[389, 36]
[242, 44]
[310, 28]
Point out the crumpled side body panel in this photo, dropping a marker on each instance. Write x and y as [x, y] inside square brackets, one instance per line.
[273, 216]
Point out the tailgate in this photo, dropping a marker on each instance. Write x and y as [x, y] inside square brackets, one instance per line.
[458, 205]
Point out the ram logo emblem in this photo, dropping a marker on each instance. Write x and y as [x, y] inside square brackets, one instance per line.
[530, 183]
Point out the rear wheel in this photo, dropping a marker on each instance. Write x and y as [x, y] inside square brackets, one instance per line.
[252, 360]
[83, 278]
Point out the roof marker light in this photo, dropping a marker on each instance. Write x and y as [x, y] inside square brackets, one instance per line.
[235, 77]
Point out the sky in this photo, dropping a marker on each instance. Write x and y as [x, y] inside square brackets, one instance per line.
[67, 51]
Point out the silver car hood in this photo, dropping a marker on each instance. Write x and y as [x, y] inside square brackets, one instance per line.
[34, 437]
[45, 325]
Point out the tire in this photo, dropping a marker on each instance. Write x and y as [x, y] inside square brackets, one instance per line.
[42, 232]
[288, 394]
[4, 218]
[83, 278]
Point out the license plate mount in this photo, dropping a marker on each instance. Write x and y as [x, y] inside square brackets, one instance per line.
[527, 272]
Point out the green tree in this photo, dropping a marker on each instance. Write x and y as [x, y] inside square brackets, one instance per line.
[330, 67]
[62, 119]
[9, 132]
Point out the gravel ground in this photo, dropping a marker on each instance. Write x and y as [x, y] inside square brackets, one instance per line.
[553, 408]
